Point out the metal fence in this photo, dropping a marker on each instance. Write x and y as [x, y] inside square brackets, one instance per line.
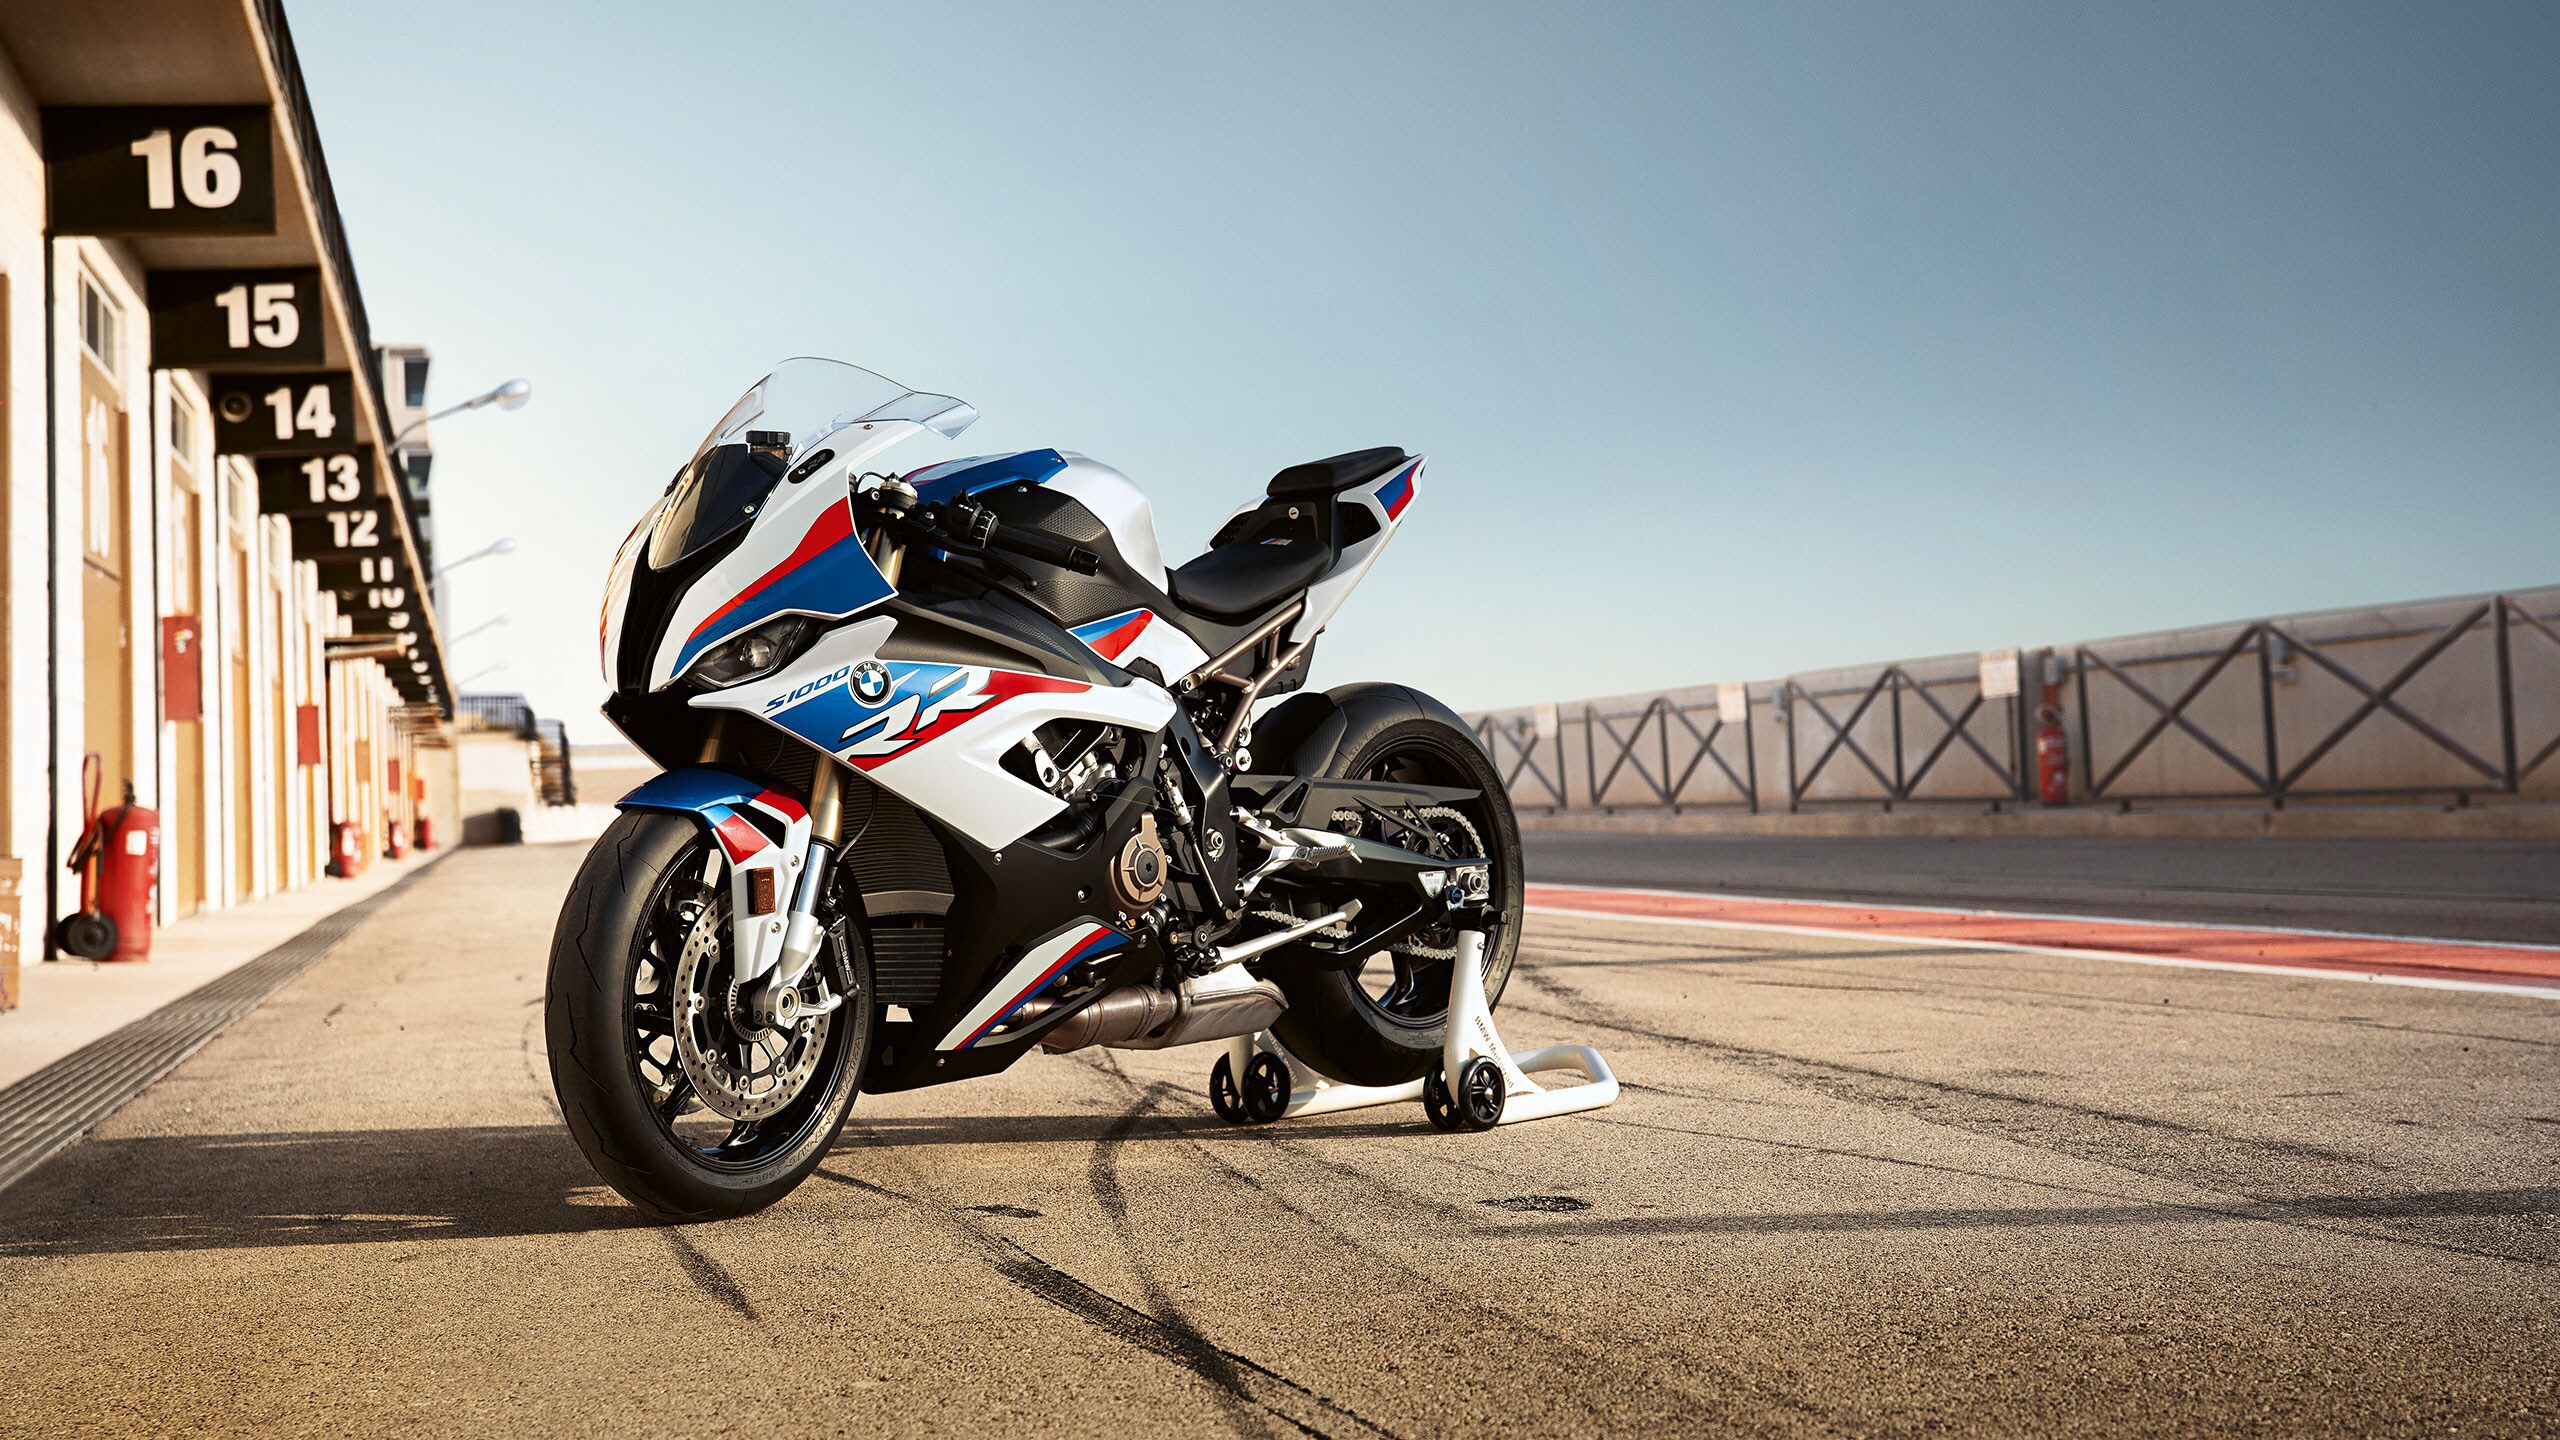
[2458, 699]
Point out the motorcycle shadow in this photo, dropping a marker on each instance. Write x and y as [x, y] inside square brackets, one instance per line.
[1113, 1126]
[133, 1195]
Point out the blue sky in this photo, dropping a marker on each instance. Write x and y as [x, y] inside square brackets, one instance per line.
[1743, 339]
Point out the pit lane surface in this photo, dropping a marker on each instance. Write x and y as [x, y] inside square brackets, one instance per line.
[1853, 1187]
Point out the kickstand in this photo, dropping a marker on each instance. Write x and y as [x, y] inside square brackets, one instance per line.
[1477, 1085]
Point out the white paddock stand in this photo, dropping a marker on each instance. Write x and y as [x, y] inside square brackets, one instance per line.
[1486, 1084]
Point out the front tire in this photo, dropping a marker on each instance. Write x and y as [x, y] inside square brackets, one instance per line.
[614, 1063]
[1382, 1024]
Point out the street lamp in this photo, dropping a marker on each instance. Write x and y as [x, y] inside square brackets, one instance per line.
[489, 624]
[510, 396]
[503, 545]
[484, 671]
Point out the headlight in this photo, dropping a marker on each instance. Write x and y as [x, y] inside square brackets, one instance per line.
[758, 652]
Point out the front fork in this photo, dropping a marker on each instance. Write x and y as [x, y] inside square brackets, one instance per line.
[771, 994]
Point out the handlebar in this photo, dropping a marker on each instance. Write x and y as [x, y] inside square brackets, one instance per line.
[964, 527]
[973, 525]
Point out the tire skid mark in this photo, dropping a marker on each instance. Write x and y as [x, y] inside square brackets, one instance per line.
[708, 1274]
[1842, 1082]
[1214, 1365]
[1869, 1086]
[1237, 1378]
[1712, 1407]
[2301, 1214]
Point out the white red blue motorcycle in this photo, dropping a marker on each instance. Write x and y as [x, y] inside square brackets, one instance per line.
[956, 767]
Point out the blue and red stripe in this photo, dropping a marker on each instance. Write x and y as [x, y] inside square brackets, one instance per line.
[1397, 493]
[1102, 941]
[827, 573]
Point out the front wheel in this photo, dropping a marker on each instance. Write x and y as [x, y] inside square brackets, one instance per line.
[680, 1106]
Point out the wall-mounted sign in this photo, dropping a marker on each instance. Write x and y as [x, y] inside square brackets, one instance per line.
[343, 532]
[181, 668]
[283, 414]
[160, 170]
[210, 319]
[1999, 674]
[291, 484]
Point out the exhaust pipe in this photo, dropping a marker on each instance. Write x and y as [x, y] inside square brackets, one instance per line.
[1220, 1005]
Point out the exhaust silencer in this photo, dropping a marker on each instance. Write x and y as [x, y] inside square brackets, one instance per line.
[1220, 1005]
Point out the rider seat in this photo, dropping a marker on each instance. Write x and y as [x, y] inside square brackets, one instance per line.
[1278, 547]
[1281, 546]
[1239, 582]
[1335, 475]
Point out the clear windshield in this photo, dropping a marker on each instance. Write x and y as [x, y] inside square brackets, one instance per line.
[783, 419]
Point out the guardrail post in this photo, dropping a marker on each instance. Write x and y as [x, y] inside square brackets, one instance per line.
[1662, 722]
[2080, 686]
[1787, 719]
[1901, 787]
[1750, 755]
[2267, 709]
[2506, 701]
[1590, 763]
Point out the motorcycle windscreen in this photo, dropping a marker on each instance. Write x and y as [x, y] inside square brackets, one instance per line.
[804, 414]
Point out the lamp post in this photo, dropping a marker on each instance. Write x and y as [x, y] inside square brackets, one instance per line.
[485, 671]
[491, 623]
[510, 396]
[503, 545]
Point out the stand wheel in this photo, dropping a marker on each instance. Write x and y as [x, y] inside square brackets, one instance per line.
[87, 935]
[1266, 1088]
[1435, 1100]
[1224, 1097]
[1481, 1091]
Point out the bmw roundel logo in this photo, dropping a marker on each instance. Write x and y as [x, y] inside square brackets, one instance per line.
[871, 682]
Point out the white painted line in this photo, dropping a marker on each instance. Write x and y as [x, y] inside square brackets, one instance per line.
[2225, 925]
[2424, 982]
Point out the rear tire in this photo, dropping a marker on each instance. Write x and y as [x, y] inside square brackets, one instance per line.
[1334, 1022]
[613, 1087]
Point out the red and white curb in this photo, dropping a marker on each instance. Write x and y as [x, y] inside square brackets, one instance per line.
[2323, 954]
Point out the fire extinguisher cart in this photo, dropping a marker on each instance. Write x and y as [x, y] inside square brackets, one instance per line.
[118, 860]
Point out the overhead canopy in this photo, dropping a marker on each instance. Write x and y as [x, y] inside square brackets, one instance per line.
[150, 137]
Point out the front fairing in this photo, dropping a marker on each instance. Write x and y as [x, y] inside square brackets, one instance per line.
[759, 524]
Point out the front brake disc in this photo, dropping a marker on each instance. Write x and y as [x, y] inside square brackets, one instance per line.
[739, 1074]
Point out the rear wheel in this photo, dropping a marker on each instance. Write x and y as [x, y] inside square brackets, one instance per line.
[687, 1111]
[1382, 1022]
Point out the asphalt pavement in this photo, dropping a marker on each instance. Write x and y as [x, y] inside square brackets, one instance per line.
[1852, 1188]
[2507, 890]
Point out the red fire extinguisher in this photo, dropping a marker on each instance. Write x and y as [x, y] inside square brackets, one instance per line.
[118, 859]
[346, 850]
[2053, 754]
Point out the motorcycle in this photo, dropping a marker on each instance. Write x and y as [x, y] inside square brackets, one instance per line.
[956, 768]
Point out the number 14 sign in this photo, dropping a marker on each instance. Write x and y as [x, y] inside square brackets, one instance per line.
[309, 414]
